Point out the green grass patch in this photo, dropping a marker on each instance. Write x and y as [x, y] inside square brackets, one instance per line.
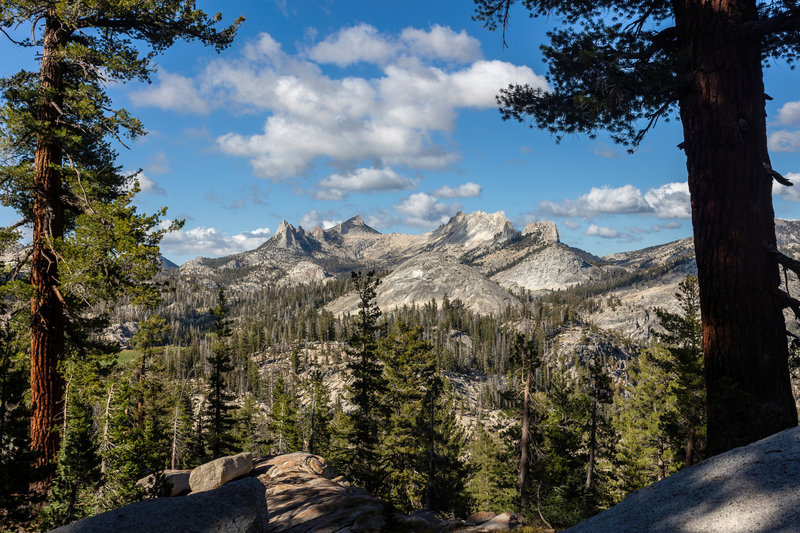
[126, 356]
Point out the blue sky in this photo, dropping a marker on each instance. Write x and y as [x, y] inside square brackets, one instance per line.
[326, 109]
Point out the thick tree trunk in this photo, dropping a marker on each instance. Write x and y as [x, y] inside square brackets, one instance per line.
[722, 111]
[47, 313]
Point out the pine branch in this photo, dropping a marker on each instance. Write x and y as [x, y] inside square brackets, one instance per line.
[788, 21]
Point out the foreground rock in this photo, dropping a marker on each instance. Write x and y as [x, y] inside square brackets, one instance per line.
[752, 488]
[176, 482]
[305, 494]
[238, 507]
[216, 473]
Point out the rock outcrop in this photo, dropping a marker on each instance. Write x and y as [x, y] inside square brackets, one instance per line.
[237, 507]
[216, 473]
[754, 488]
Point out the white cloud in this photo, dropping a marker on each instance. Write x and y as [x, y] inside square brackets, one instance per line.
[211, 242]
[443, 43]
[425, 211]
[364, 180]
[603, 150]
[159, 164]
[602, 231]
[396, 118]
[784, 141]
[600, 201]
[314, 218]
[467, 190]
[146, 184]
[670, 200]
[789, 113]
[571, 223]
[174, 92]
[352, 45]
[791, 194]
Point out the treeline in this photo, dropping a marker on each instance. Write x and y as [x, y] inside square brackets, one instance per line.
[558, 441]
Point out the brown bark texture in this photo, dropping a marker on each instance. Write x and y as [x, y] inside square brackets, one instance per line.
[722, 112]
[47, 312]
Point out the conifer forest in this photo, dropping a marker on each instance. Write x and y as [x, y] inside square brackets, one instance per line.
[115, 366]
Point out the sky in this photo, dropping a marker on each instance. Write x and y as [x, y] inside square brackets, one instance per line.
[325, 109]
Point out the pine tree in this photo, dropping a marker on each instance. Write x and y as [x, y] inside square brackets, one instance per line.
[218, 408]
[683, 340]
[491, 483]
[59, 170]
[283, 419]
[367, 385]
[621, 66]
[317, 415]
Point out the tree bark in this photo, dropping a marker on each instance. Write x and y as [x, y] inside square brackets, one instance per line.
[47, 312]
[592, 446]
[722, 112]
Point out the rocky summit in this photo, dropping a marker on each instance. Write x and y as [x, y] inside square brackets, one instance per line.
[478, 258]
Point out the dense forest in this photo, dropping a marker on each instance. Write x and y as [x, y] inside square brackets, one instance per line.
[555, 436]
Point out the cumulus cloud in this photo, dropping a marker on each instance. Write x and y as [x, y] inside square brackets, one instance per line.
[313, 218]
[393, 119]
[424, 211]
[442, 42]
[784, 141]
[352, 45]
[146, 184]
[791, 194]
[336, 186]
[211, 242]
[174, 92]
[600, 201]
[467, 190]
[670, 200]
[789, 113]
[602, 231]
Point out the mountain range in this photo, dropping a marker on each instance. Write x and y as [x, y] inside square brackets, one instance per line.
[478, 258]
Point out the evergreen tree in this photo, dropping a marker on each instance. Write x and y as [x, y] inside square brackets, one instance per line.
[682, 338]
[621, 66]
[317, 415]
[283, 419]
[491, 483]
[59, 170]
[218, 407]
[367, 385]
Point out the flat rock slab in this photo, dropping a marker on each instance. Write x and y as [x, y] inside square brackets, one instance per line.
[238, 507]
[216, 473]
[753, 489]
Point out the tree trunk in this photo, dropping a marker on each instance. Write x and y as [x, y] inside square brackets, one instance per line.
[592, 446]
[525, 442]
[689, 457]
[722, 111]
[47, 312]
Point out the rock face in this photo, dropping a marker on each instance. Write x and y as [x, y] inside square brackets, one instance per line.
[433, 276]
[752, 488]
[216, 473]
[238, 507]
[305, 494]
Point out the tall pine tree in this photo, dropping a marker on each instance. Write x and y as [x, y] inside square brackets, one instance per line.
[58, 167]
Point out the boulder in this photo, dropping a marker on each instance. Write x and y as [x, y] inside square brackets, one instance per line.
[752, 488]
[479, 518]
[176, 482]
[238, 507]
[304, 494]
[216, 473]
